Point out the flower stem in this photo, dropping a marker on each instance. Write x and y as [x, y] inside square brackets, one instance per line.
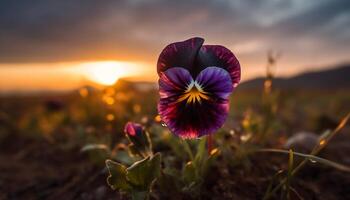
[188, 149]
[209, 143]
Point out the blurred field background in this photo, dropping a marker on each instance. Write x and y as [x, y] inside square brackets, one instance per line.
[73, 73]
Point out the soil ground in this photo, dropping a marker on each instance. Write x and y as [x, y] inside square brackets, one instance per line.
[36, 169]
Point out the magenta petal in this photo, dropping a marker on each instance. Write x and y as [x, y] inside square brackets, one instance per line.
[216, 55]
[179, 54]
[195, 119]
[133, 129]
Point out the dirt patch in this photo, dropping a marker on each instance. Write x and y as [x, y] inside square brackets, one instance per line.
[37, 169]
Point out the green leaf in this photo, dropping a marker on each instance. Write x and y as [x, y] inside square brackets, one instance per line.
[141, 144]
[117, 176]
[189, 173]
[90, 147]
[144, 172]
[136, 172]
[124, 157]
[155, 166]
[201, 152]
[187, 148]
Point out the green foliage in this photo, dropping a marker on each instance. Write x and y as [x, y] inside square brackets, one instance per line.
[137, 180]
[117, 176]
[189, 173]
[186, 164]
[311, 158]
[90, 147]
[195, 172]
[142, 173]
[140, 145]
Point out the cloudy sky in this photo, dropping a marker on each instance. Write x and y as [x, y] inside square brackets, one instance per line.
[310, 34]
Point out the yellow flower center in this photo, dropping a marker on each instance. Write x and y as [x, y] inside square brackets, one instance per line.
[194, 93]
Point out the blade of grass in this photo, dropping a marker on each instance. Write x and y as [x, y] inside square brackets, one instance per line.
[327, 136]
[315, 151]
[323, 143]
[310, 157]
[289, 174]
[90, 147]
[269, 188]
[296, 193]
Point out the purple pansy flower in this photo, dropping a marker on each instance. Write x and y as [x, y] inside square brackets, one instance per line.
[195, 82]
[133, 129]
[140, 142]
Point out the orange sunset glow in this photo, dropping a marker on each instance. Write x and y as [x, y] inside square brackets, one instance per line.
[70, 75]
[108, 72]
[171, 100]
[55, 47]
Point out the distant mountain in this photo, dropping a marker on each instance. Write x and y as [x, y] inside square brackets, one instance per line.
[124, 84]
[335, 78]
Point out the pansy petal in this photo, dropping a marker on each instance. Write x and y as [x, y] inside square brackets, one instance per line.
[197, 118]
[216, 82]
[133, 129]
[173, 82]
[179, 54]
[219, 56]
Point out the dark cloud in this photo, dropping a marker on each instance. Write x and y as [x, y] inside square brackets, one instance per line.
[68, 30]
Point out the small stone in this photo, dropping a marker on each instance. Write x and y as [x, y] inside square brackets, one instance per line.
[302, 142]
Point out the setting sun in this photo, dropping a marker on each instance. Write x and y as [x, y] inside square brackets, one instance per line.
[107, 72]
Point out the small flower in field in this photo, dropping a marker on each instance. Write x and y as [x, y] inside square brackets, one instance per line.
[140, 142]
[133, 129]
[195, 82]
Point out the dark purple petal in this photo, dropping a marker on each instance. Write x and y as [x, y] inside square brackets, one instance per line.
[219, 56]
[195, 120]
[133, 129]
[179, 54]
[192, 119]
